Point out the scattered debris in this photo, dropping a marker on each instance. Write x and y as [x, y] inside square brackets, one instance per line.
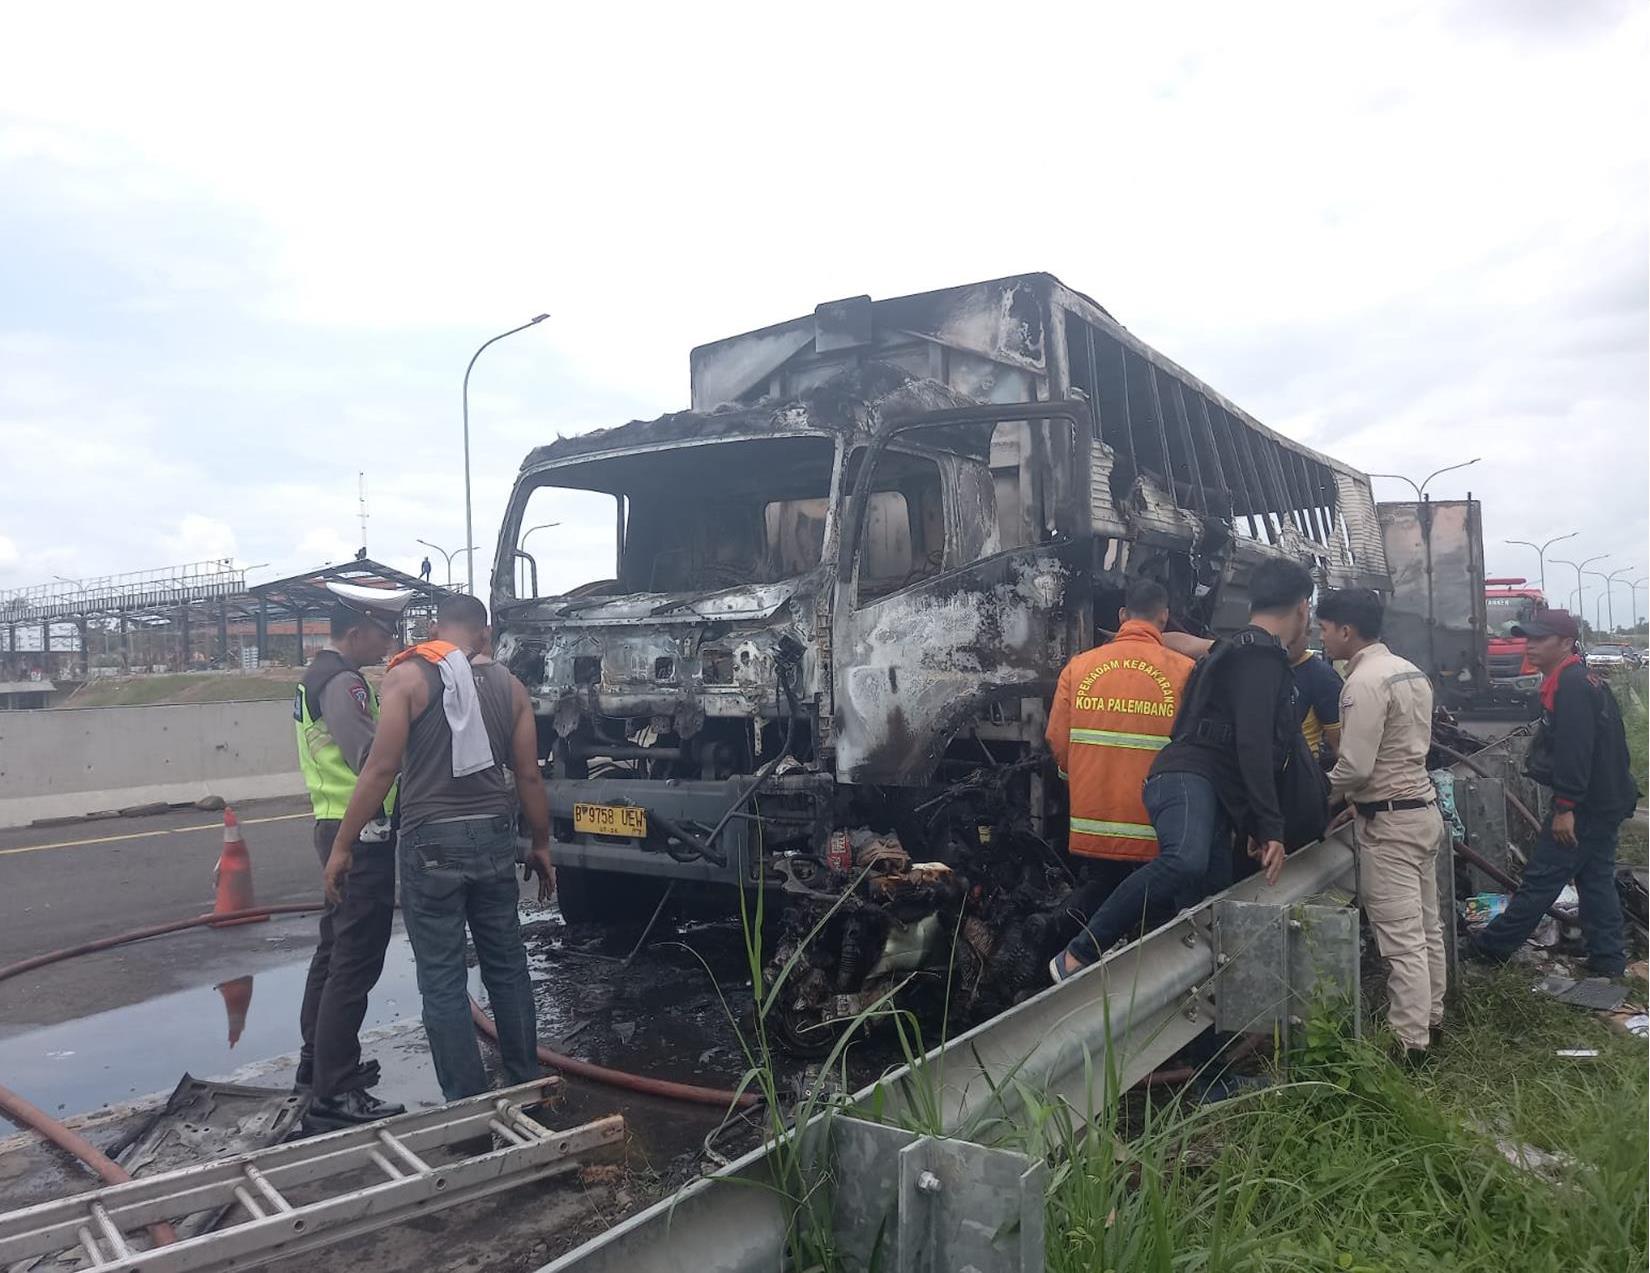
[1635, 1023]
[1576, 1052]
[970, 927]
[1598, 993]
[1481, 908]
[1549, 1166]
[204, 1121]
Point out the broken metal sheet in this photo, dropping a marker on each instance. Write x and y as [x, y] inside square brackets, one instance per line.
[203, 1121]
[1598, 993]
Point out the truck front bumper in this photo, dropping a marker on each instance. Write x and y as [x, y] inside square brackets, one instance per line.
[698, 804]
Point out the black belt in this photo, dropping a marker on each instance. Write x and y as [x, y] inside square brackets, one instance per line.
[1389, 806]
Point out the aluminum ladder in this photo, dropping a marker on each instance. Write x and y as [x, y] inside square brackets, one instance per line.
[263, 1223]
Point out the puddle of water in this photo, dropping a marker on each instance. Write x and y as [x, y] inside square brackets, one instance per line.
[209, 1031]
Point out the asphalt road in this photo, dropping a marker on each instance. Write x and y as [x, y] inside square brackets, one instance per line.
[70, 884]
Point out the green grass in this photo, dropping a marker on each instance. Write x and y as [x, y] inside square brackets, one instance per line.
[184, 687]
[1632, 695]
[1354, 1165]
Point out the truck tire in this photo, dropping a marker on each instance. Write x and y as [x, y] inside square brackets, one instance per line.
[605, 897]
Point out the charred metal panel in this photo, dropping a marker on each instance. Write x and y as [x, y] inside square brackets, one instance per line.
[727, 371]
[1435, 616]
[916, 667]
[843, 324]
[1363, 541]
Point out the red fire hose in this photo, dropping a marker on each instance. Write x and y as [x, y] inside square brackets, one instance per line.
[25, 1114]
[619, 1078]
[153, 930]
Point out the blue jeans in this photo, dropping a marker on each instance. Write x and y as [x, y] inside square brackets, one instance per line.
[453, 874]
[1194, 859]
[1592, 865]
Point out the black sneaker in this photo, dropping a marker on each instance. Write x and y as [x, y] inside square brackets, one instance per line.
[350, 1109]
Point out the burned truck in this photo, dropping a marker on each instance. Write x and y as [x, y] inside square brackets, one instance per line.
[829, 602]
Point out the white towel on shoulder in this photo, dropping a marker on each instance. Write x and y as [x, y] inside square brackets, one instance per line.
[472, 749]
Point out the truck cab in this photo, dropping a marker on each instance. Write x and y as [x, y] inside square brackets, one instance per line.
[1509, 601]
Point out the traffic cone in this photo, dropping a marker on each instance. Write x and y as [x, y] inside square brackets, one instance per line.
[237, 998]
[233, 876]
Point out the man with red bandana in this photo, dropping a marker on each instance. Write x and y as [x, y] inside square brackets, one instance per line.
[1581, 753]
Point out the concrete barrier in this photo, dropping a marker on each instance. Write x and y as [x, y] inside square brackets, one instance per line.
[71, 761]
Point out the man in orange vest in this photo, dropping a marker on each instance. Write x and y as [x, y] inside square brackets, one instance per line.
[1113, 711]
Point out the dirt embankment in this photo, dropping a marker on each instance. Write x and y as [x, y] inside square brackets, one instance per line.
[184, 687]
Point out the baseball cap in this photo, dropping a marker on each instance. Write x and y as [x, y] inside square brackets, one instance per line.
[1548, 623]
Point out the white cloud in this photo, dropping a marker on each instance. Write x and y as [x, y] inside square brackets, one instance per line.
[1373, 227]
[8, 552]
[199, 538]
[324, 545]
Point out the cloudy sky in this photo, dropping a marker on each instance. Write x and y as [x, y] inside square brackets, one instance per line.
[245, 253]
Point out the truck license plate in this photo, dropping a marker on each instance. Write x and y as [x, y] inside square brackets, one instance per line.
[610, 819]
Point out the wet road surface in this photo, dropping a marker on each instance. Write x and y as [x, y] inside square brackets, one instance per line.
[101, 1039]
[70, 884]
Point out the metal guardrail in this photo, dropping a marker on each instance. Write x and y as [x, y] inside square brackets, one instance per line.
[1114, 1023]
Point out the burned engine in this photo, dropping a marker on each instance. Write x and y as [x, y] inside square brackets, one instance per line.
[942, 916]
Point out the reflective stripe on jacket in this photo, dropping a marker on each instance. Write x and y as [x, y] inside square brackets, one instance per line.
[1112, 713]
[327, 774]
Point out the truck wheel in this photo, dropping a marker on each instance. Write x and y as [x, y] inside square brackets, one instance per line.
[604, 897]
[803, 1033]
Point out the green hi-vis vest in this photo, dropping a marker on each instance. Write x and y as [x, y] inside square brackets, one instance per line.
[330, 780]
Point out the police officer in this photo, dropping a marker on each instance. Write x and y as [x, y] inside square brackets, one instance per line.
[336, 711]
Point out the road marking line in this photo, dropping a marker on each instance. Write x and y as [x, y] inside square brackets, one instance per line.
[144, 835]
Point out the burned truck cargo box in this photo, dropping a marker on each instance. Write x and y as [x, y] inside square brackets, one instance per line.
[846, 580]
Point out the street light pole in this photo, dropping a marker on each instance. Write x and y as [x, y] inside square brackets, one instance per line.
[448, 555]
[1578, 567]
[1610, 592]
[469, 525]
[1421, 490]
[531, 529]
[1541, 552]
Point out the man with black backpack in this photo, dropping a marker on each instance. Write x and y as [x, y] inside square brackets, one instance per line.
[1580, 751]
[1236, 762]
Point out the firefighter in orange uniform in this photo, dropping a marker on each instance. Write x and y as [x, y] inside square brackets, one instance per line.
[1113, 710]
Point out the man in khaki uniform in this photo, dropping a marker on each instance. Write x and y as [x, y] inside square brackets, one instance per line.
[1386, 730]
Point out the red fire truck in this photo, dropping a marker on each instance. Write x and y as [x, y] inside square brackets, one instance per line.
[1506, 602]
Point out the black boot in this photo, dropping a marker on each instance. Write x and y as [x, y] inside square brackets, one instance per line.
[349, 1109]
[365, 1074]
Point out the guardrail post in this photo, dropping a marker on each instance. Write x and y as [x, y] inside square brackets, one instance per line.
[1281, 966]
